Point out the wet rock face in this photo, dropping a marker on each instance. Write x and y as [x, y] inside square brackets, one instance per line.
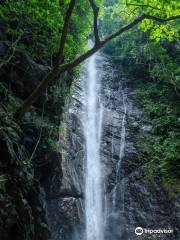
[65, 211]
[128, 200]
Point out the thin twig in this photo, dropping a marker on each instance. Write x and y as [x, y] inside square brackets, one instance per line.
[40, 135]
[7, 57]
[142, 5]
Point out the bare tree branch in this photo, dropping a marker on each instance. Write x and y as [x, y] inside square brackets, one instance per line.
[136, 21]
[95, 15]
[161, 20]
[142, 5]
[58, 70]
[125, 28]
[84, 56]
[65, 31]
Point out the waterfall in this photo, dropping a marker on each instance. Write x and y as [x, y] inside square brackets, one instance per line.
[92, 125]
[103, 175]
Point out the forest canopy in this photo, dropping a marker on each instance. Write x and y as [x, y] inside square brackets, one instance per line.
[39, 24]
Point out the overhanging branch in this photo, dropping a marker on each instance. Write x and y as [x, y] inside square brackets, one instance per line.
[58, 70]
[161, 20]
[136, 21]
[90, 52]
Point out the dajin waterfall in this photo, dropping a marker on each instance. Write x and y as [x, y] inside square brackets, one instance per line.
[89, 130]
[105, 195]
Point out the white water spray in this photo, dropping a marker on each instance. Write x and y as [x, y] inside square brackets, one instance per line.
[93, 185]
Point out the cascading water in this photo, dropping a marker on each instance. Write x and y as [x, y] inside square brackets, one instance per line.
[93, 122]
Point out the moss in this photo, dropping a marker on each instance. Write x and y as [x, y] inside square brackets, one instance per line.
[149, 161]
[162, 109]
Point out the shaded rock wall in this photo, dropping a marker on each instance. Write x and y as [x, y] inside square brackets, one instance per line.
[30, 166]
[66, 211]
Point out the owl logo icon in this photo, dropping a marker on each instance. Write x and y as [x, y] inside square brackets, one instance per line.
[139, 231]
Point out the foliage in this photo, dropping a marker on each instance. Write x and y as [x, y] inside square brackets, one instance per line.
[10, 135]
[119, 12]
[160, 8]
[41, 22]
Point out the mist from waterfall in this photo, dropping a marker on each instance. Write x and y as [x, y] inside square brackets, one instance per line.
[93, 126]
